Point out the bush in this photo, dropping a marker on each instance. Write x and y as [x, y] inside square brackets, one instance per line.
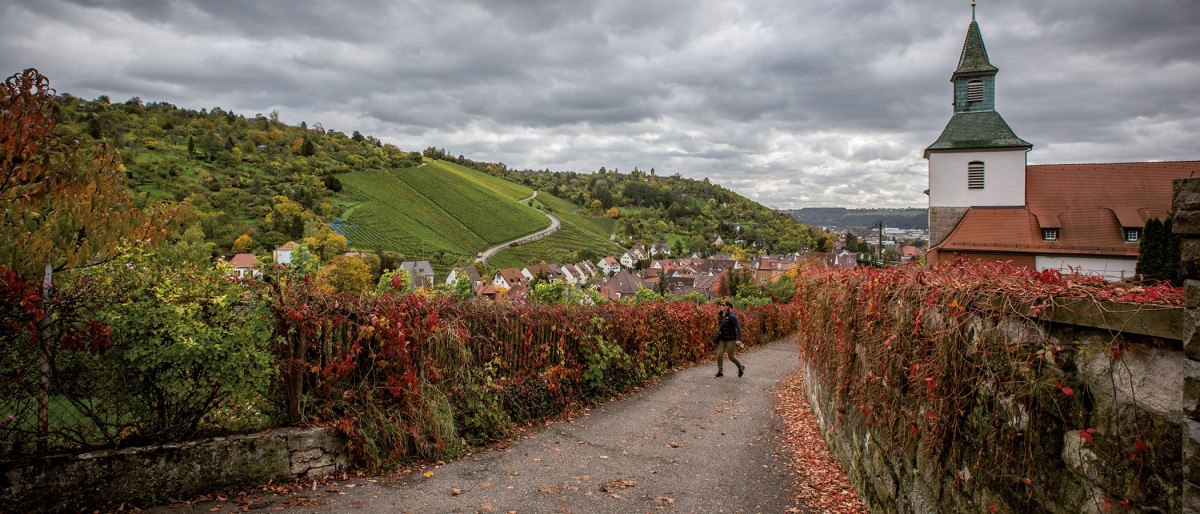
[188, 342]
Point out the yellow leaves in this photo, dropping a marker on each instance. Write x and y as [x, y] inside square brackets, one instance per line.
[427, 474]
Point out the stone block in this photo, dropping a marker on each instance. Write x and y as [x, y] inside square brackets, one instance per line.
[1186, 223]
[1191, 345]
[1189, 258]
[1191, 452]
[1191, 294]
[1191, 393]
[1152, 376]
[1191, 499]
[1186, 195]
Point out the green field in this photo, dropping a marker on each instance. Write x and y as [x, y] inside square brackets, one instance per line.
[438, 207]
[576, 233]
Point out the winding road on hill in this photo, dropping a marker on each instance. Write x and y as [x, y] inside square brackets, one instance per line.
[487, 254]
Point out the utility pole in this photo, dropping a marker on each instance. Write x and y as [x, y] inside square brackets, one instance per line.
[879, 247]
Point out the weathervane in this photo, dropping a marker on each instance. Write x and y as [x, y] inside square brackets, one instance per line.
[972, 10]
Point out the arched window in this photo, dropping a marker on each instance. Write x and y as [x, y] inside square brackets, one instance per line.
[975, 91]
[975, 175]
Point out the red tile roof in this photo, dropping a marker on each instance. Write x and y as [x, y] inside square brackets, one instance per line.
[243, 261]
[1088, 203]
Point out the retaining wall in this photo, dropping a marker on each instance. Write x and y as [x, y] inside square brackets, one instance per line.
[155, 473]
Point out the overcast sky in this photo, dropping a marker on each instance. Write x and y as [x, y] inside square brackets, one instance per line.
[794, 103]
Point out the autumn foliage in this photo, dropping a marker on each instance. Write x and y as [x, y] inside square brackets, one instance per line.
[409, 375]
[934, 363]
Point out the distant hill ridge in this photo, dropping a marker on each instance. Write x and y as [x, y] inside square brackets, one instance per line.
[841, 217]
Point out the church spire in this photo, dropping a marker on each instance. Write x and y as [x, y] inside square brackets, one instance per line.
[974, 57]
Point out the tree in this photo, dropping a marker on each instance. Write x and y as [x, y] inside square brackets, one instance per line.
[613, 213]
[63, 207]
[242, 243]
[1158, 255]
[345, 275]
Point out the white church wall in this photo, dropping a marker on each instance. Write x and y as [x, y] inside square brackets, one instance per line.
[1004, 179]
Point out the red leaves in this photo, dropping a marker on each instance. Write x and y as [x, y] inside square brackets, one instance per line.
[1066, 391]
[1086, 434]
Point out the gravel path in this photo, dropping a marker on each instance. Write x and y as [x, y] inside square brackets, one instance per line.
[692, 443]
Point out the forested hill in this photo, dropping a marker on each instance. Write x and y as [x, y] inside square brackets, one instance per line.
[648, 207]
[912, 218]
[242, 175]
[254, 183]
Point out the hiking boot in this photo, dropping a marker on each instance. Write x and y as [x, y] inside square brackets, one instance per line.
[741, 370]
[719, 375]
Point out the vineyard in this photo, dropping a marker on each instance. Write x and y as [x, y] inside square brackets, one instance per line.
[419, 211]
[576, 233]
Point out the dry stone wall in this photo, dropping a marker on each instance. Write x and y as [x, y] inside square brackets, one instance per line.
[155, 473]
[1186, 223]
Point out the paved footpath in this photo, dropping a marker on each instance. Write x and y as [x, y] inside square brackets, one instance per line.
[692, 443]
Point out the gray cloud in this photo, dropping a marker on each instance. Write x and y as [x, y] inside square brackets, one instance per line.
[811, 103]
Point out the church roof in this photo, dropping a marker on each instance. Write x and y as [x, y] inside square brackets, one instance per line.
[974, 58]
[1089, 204]
[974, 130]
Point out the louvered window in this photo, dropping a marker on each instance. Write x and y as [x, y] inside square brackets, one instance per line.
[975, 175]
[975, 91]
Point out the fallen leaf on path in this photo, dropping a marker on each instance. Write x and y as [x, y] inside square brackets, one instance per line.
[548, 489]
[456, 491]
[427, 474]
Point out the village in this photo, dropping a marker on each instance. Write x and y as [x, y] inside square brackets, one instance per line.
[614, 277]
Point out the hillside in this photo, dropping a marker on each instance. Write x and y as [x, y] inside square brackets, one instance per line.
[263, 182]
[912, 218]
[433, 210]
[274, 182]
[686, 213]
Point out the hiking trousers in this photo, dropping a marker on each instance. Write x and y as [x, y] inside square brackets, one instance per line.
[726, 346]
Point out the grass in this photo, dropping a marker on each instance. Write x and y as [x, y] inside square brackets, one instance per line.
[438, 207]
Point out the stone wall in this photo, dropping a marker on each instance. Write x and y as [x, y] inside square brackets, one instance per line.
[942, 221]
[1138, 374]
[1136, 397]
[1186, 223]
[156, 473]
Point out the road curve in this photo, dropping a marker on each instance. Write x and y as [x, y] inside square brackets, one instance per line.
[529, 238]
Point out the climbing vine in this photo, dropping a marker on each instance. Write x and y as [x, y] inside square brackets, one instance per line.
[947, 367]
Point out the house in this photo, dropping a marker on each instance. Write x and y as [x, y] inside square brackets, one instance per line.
[659, 249]
[589, 268]
[629, 259]
[987, 203]
[549, 272]
[420, 272]
[283, 254]
[638, 251]
[508, 278]
[572, 274]
[909, 253]
[768, 269]
[245, 265]
[487, 291]
[470, 272]
[609, 265]
[621, 285]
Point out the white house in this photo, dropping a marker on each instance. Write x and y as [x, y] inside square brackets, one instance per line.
[283, 254]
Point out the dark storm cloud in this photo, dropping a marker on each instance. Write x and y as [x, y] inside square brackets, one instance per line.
[816, 102]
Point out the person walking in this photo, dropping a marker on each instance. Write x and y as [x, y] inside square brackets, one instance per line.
[729, 334]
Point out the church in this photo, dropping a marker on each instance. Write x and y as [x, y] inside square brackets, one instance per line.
[986, 202]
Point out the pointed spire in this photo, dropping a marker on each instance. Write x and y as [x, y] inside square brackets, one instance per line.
[974, 58]
[972, 10]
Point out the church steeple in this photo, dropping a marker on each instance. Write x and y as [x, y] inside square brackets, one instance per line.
[975, 79]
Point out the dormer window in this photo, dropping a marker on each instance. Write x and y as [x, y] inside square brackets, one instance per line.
[1133, 235]
[975, 175]
[975, 91]
[1049, 234]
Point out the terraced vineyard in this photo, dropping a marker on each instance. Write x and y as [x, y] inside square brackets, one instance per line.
[576, 233]
[419, 211]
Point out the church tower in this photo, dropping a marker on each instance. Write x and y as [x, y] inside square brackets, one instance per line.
[977, 161]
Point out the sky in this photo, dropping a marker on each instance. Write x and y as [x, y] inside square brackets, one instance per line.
[792, 103]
